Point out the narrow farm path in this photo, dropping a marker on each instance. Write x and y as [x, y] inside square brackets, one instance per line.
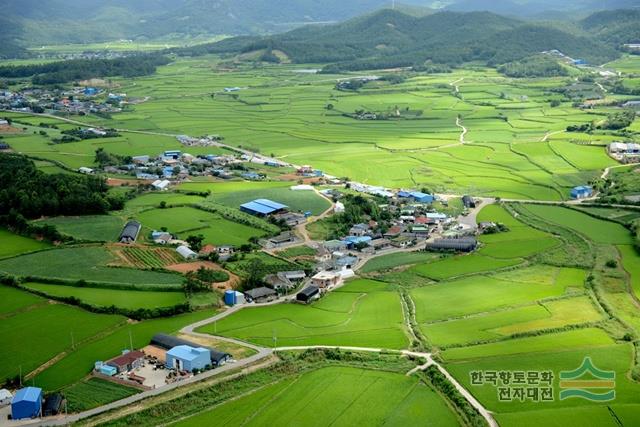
[464, 130]
[548, 135]
[455, 86]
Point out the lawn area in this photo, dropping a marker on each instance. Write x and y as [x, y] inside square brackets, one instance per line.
[301, 201]
[99, 297]
[399, 259]
[185, 221]
[600, 231]
[12, 244]
[297, 251]
[94, 392]
[94, 228]
[362, 313]
[356, 396]
[87, 263]
[77, 364]
[478, 294]
[37, 335]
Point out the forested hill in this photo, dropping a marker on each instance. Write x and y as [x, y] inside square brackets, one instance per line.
[390, 38]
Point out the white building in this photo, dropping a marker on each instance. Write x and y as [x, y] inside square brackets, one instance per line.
[86, 171]
[186, 253]
[161, 185]
[339, 207]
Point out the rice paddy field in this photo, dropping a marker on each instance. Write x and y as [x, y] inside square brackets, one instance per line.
[95, 392]
[514, 148]
[185, 221]
[363, 313]
[98, 228]
[37, 331]
[300, 201]
[89, 263]
[11, 244]
[355, 396]
[112, 297]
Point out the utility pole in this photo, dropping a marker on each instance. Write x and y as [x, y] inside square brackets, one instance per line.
[20, 375]
[130, 341]
[393, 4]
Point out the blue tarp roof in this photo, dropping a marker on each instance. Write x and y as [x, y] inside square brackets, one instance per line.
[357, 239]
[28, 394]
[185, 352]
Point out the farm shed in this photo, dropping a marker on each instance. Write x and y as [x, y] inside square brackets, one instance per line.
[128, 361]
[27, 403]
[130, 232]
[468, 202]
[465, 244]
[334, 245]
[5, 397]
[4, 146]
[186, 253]
[86, 171]
[161, 185]
[581, 192]
[187, 358]
[308, 294]
[261, 294]
[52, 405]
[262, 207]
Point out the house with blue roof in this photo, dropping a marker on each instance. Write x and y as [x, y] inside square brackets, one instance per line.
[27, 403]
[187, 358]
[262, 207]
[353, 241]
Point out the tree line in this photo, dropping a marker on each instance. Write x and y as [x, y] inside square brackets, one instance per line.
[83, 69]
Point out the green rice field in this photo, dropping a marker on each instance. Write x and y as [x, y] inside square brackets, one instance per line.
[363, 313]
[12, 244]
[355, 396]
[98, 297]
[99, 228]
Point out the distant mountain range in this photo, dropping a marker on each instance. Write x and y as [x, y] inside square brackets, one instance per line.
[43, 22]
[389, 38]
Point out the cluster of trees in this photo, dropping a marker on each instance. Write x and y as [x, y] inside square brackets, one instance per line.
[103, 158]
[82, 69]
[202, 280]
[80, 133]
[536, 66]
[358, 209]
[29, 193]
[615, 121]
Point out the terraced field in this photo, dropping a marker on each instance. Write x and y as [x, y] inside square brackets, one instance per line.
[99, 228]
[12, 244]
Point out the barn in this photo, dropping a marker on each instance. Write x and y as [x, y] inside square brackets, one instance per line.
[308, 294]
[27, 403]
[465, 244]
[130, 232]
[261, 294]
[128, 361]
[262, 207]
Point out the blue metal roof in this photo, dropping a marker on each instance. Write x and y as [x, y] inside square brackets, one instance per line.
[28, 394]
[271, 204]
[357, 239]
[257, 207]
[186, 352]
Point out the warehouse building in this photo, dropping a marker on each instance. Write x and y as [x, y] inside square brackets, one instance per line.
[27, 403]
[465, 244]
[186, 253]
[52, 405]
[167, 342]
[262, 207]
[187, 358]
[308, 294]
[130, 232]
